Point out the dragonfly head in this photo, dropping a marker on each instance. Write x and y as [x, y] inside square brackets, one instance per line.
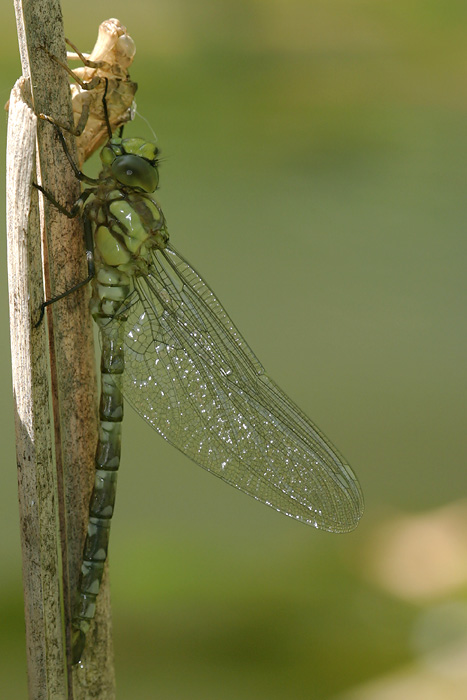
[132, 162]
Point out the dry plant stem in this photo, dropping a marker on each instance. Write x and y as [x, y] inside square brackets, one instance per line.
[36, 477]
[73, 380]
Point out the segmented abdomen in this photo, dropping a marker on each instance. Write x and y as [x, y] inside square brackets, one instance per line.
[107, 462]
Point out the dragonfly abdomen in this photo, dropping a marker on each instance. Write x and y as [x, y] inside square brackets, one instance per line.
[107, 460]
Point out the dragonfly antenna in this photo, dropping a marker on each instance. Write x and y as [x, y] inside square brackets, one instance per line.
[148, 124]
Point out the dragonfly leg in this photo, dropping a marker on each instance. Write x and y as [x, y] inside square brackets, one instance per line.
[84, 116]
[85, 59]
[70, 213]
[76, 209]
[91, 84]
[78, 174]
[80, 126]
[88, 239]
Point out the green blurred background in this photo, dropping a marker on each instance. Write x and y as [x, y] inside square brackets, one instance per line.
[314, 172]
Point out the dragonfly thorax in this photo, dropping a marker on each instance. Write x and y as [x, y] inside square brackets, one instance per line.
[128, 224]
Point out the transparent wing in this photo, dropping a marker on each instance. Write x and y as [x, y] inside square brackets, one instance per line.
[191, 375]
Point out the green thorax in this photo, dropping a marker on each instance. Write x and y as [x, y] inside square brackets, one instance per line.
[127, 222]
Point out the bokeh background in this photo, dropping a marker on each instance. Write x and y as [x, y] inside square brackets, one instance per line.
[314, 172]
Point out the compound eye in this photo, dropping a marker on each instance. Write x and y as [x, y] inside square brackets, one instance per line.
[134, 171]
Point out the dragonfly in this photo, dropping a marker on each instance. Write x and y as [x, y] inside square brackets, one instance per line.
[169, 347]
[102, 92]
